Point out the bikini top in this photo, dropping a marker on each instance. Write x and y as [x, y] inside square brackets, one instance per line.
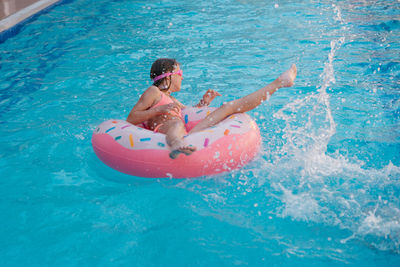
[165, 100]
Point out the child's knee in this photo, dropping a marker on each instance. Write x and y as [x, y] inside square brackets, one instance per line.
[176, 125]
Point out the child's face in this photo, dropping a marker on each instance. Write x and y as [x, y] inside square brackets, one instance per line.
[176, 81]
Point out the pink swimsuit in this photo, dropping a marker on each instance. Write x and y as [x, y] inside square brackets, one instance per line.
[165, 100]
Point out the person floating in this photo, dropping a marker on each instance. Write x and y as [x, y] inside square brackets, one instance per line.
[159, 111]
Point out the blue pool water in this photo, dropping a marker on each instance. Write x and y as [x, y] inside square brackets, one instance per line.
[324, 190]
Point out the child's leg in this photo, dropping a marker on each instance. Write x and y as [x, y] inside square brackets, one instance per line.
[175, 130]
[248, 102]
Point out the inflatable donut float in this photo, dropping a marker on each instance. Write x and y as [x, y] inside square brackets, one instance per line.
[140, 152]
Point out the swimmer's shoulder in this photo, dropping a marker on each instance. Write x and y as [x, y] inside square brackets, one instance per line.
[152, 94]
[153, 90]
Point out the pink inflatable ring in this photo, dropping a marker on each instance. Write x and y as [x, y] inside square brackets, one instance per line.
[136, 151]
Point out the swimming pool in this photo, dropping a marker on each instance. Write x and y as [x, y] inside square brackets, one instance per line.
[324, 191]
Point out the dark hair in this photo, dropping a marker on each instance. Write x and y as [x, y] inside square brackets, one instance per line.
[161, 66]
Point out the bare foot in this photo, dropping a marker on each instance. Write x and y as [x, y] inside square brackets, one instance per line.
[287, 78]
[181, 148]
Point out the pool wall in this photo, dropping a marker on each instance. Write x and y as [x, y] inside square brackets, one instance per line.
[11, 25]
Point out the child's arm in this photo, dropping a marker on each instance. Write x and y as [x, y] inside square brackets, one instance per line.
[208, 97]
[142, 111]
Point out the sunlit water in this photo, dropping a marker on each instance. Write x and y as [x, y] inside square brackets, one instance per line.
[324, 190]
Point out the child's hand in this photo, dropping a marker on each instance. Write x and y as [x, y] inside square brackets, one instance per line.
[209, 96]
[169, 109]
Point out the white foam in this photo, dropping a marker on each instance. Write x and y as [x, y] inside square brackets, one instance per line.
[300, 206]
[329, 188]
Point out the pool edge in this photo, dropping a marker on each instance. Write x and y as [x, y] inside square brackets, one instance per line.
[10, 25]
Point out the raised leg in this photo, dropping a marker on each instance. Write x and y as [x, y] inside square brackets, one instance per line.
[248, 102]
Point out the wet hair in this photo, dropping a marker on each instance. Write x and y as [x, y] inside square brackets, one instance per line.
[161, 66]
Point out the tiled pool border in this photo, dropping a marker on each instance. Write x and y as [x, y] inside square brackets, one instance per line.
[12, 24]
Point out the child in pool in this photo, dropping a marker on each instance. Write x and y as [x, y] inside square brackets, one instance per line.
[161, 112]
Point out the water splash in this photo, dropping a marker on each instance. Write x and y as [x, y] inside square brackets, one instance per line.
[329, 188]
[308, 140]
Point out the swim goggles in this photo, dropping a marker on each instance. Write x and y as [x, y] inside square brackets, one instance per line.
[159, 77]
